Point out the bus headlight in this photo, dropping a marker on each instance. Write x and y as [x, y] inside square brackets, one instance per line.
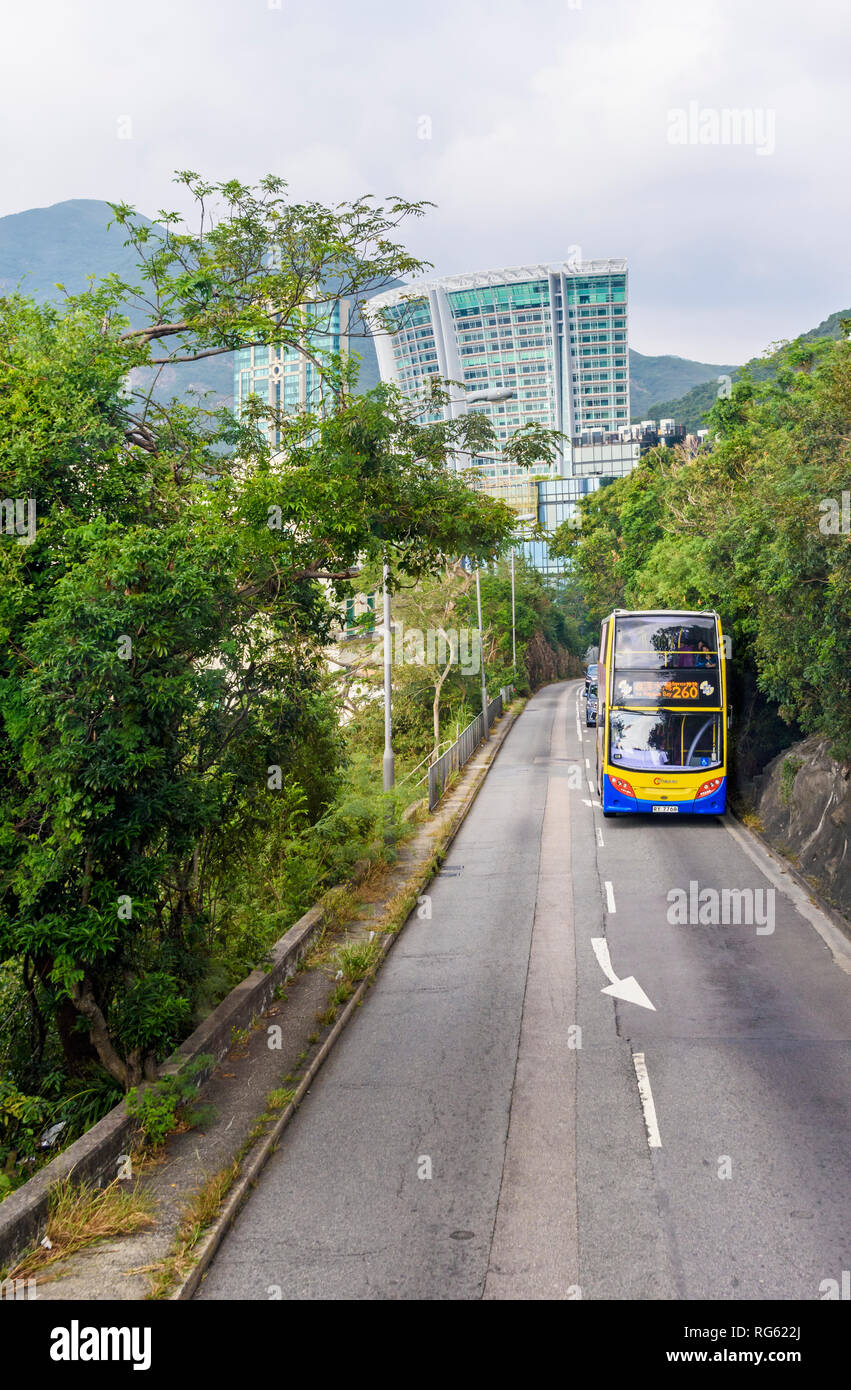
[621, 786]
[707, 788]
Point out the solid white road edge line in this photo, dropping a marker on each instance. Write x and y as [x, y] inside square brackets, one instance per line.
[654, 1139]
[832, 937]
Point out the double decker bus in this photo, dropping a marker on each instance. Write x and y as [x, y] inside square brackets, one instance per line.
[662, 715]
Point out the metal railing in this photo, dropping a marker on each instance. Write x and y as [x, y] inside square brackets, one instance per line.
[465, 745]
[443, 743]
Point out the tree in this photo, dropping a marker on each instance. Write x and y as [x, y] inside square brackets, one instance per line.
[745, 528]
[161, 671]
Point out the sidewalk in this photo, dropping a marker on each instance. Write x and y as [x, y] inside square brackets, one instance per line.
[205, 1174]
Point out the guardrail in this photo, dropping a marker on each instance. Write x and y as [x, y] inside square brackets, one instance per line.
[460, 752]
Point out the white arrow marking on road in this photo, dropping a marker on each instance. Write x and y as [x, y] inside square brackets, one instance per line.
[628, 989]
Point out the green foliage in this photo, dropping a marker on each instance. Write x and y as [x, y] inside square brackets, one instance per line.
[162, 637]
[153, 1013]
[357, 959]
[788, 772]
[691, 406]
[668, 379]
[433, 696]
[160, 1108]
[738, 528]
[22, 1120]
[547, 635]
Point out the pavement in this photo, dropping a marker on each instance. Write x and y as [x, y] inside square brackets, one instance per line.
[239, 1125]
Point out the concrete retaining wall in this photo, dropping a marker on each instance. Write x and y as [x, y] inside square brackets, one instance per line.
[95, 1157]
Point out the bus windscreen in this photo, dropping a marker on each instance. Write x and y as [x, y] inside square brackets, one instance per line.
[651, 643]
[672, 739]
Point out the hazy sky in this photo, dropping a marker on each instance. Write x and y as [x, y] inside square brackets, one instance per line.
[550, 126]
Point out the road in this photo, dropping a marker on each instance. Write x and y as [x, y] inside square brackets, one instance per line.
[493, 1125]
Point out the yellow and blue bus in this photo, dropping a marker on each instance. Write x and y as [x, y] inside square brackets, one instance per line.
[662, 721]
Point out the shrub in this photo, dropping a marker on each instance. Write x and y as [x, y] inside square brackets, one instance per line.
[165, 1105]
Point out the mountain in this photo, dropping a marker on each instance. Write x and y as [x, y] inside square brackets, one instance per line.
[690, 408]
[67, 242]
[657, 378]
[61, 244]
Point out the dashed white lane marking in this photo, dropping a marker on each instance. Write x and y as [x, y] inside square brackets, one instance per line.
[588, 762]
[610, 897]
[590, 786]
[654, 1139]
[600, 838]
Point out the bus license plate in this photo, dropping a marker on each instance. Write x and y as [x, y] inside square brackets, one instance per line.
[669, 810]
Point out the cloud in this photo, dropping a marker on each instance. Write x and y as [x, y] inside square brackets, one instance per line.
[548, 127]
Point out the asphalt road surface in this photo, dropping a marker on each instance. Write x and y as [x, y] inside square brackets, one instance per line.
[492, 1124]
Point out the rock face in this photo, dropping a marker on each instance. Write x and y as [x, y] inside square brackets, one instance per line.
[803, 800]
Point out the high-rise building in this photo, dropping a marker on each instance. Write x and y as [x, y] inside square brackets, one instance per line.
[285, 377]
[545, 343]
[288, 379]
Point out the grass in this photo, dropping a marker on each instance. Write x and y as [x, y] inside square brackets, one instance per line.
[339, 905]
[357, 959]
[279, 1099]
[372, 884]
[204, 1206]
[81, 1214]
[340, 994]
[200, 1211]
[788, 772]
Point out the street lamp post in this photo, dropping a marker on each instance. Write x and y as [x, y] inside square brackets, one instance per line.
[482, 657]
[513, 627]
[522, 520]
[388, 762]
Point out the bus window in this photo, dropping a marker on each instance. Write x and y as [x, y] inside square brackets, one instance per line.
[664, 738]
[653, 643]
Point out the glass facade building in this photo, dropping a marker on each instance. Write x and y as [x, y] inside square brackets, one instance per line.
[545, 343]
[285, 377]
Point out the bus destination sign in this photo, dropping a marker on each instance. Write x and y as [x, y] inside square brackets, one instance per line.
[657, 688]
